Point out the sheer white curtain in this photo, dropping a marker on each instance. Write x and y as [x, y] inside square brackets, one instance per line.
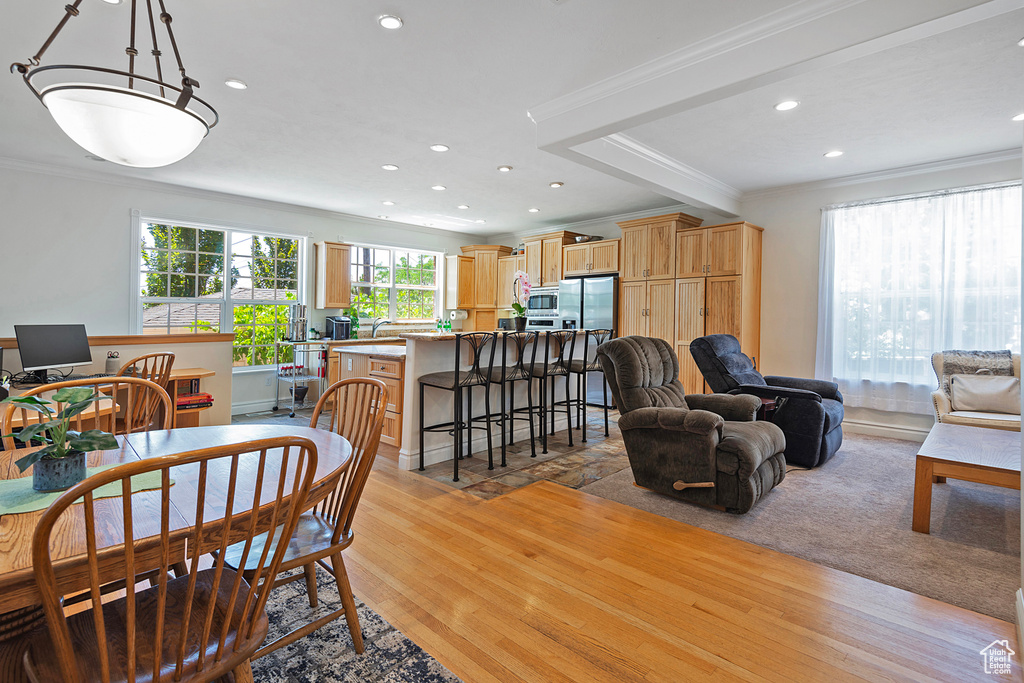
[903, 277]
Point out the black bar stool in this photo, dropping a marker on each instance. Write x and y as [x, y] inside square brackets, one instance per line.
[580, 367]
[456, 381]
[556, 341]
[521, 370]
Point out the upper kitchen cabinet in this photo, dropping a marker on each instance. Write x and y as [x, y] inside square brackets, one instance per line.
[590, 258]
[458, 290]
[507, 267]
[544, 256]
[333, 278]
[717, 250]
[485, 272]
[649, 246]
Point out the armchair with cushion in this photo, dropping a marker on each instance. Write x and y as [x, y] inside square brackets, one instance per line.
[704, 449]
[810, 412]
[972, 410]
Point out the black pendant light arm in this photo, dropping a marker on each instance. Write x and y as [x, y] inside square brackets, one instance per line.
[156, 49]
[187, 84]
[69, 11]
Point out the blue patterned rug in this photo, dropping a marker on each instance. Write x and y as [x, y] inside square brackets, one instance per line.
[327, 655]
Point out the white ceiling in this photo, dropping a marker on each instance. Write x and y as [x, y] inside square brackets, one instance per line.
[332, 96]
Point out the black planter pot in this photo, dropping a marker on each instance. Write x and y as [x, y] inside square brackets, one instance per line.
[520, 324]
[58, 474]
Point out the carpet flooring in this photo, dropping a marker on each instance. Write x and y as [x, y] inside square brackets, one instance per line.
[328, 656]
[854, 514]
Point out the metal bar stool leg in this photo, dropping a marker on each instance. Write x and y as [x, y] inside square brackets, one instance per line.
[583, 403]
[543, 414]
[511, 413]
[457, 455]
[529, 415]
[605, 383]
[487, 425]
[568, 408]
[422, 425]
[503, 463]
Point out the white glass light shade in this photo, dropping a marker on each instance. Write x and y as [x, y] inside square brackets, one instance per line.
[124, 126]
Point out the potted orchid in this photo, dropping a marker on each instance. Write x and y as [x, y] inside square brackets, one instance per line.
[521, 294]
[60, 464]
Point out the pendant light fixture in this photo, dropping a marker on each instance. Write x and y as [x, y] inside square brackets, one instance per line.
[123, 116]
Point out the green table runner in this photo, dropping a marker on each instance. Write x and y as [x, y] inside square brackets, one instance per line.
[18, 496]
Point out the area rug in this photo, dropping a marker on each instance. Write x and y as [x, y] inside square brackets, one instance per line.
[328, 656]
[854, 514]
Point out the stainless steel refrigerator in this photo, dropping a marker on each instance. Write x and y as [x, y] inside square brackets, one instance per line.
[589, 303]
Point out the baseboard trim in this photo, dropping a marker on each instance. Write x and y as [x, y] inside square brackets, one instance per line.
[870, 428]
[264, 404]
[1020, 619]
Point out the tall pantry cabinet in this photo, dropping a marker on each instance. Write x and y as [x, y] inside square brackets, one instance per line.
[717, 291]
[647, 275]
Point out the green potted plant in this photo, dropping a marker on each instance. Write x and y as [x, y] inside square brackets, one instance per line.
[60, 464]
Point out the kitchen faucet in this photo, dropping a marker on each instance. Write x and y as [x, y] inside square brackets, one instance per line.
[377, 322]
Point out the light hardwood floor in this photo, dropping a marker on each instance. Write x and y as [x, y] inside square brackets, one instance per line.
[550, 584]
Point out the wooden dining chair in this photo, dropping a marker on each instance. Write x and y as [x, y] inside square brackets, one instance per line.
[138, 403]
[194, 628]
[325, 531]
[156, 367]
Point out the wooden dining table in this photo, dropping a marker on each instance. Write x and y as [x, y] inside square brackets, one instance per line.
[17, 582]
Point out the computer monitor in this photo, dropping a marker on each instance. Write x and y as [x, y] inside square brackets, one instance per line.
[43, 347]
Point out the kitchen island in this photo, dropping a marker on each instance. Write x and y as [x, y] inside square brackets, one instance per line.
[427, 352]
[385, 362]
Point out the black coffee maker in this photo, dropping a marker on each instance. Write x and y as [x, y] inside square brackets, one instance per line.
[338, 327]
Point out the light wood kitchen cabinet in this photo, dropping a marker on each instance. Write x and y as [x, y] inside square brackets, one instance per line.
[485, 273]
[647, 309]
[390, 371]
[459, 281]
[716, 249]
[649, 246]
[544, 257]
[333, 278]
[507, 268]
[718, 304]
[590, 258]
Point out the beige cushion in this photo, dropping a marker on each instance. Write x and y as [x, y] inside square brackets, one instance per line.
[989, 420]
[985, 394]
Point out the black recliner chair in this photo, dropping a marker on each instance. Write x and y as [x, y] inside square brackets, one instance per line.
[810, 411]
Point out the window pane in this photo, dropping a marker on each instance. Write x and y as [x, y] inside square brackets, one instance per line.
[182, 262]
[183, 286]
[154, 235]
[154, 260]
[183, 238]
[154, 318]
[154, 285]
[241, 355]
[241, 288]
[211, 241]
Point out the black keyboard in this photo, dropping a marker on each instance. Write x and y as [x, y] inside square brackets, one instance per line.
[98, 375]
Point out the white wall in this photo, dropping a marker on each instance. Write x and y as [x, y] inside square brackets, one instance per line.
[789, 281]
[66, 245]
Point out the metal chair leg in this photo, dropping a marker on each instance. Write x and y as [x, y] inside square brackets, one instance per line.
[529, 415]
[422, 386]
[568, 408]
[487, 425]
[503, 463]
[458, 432]
[543, 415]
[605, 383]
[583, 405]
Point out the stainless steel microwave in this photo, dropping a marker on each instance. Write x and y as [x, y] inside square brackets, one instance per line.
[543, 301]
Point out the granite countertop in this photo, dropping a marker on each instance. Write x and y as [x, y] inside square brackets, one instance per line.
[379, 341]
[447, 336]
[388, 350]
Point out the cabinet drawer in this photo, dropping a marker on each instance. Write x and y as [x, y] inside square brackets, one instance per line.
[383, 367]
[392, 431]
[394, 386]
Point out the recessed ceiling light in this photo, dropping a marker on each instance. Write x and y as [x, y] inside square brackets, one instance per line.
[1019, 117]
[440, 148]
[381, 216]
[534, 210]
[389, 21]
[389, 167]
[787, 105]
[504, 169]
[112, 2]
[463, 206]
[833, 154]
[556, 184]
[236, 84]
[480, 220]
[1021, 42]
[388, 203]
[438, 187]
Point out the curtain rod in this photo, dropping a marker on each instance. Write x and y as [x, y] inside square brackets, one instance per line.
[924, 195]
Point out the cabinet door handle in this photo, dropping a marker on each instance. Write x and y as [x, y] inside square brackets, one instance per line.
[702, 311]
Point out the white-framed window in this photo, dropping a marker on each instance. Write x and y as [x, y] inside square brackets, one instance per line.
[196, 278]
[904, 277]
[402, 285]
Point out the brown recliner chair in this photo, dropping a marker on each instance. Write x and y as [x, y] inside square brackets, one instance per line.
[702, 448]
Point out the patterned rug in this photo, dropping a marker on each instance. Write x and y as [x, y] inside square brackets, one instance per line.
[327, 655]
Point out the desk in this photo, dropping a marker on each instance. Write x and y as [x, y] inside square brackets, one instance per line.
[17, 581]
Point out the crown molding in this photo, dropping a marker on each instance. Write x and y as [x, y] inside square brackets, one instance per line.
[671, 164]
[889, 174]
[597, 223]
[21, 166]
[779, 21]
